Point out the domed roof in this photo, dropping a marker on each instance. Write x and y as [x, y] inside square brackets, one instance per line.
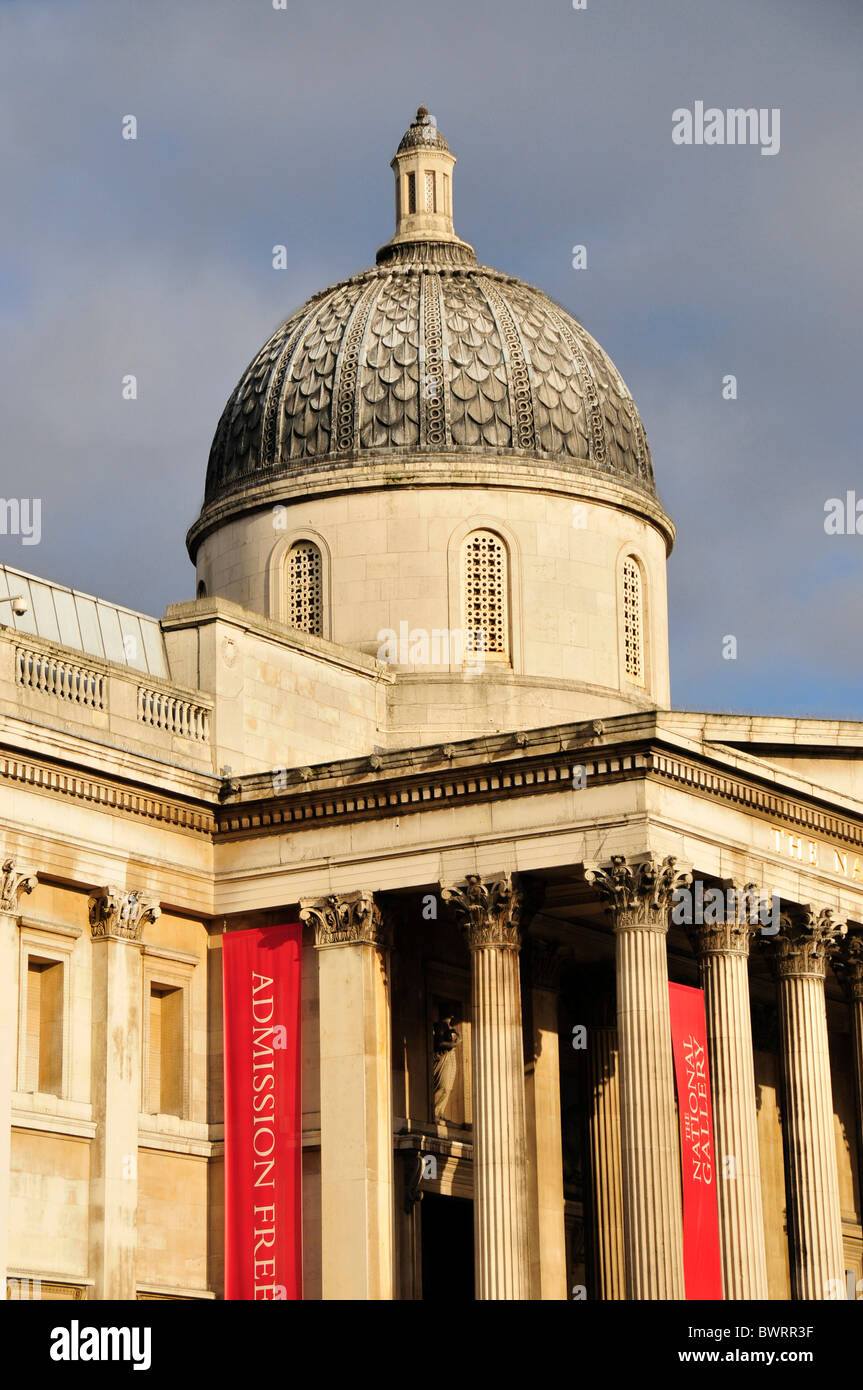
[427, 352]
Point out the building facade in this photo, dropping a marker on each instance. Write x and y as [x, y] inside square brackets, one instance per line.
[421, 704]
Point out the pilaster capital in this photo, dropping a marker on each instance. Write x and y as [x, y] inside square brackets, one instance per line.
[805, 940]
[489, 914]
[345, 919]
[14, 880]
[638, 896]
[115, 912]
[848, 966]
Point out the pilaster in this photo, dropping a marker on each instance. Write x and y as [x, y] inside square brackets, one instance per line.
[357, 1237]
[14, 881]
[117, 919]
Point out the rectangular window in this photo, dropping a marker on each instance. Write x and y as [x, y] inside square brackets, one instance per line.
[445, 195]
[412, 192]
[44, 1046]
[431, 202]
[166, 1062]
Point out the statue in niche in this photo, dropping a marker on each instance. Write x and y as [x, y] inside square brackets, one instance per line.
[445, 1062]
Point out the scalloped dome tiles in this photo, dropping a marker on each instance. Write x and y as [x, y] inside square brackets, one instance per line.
[428, 351]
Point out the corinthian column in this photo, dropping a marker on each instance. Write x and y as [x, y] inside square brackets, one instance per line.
[722, 951]
[801, 951]
[13, 882]
[639, 897]
[116, 922]
[489, 914]
[356, 1097]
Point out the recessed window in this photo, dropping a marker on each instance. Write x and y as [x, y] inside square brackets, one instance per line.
[43, 1069]
[166, 1060]
[305, 588]
[486, 619]
[202, 589]
[431, 204]
[633, 622]
[412, 192]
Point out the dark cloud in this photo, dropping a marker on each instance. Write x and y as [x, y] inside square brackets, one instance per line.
[259, 126]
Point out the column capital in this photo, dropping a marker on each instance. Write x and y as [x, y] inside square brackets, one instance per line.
[14, 881]
[638, 895]
[345, 919]
[848, 966]
[120, 914]
[805, 940]
[490, 914]
[733, 934]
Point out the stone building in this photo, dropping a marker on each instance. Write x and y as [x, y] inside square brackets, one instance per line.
[420, 702]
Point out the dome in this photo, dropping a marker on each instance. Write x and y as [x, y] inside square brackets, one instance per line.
[428, 352]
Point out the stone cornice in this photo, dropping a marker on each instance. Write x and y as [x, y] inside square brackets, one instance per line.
[501, 468]
[417, 780]
[112, 795]
[496, 767]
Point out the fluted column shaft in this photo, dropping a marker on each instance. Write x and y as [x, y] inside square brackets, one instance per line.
[817, 1260]
[641, 896]
[490, 917]
[723, 954]
[653, 1220]
[499, 1156]
[605, 1164]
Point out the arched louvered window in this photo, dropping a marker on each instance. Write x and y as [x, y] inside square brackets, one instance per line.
[486, 616]
[306, 588]
[633, 621]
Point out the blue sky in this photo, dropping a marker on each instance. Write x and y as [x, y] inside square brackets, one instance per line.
[259, 127]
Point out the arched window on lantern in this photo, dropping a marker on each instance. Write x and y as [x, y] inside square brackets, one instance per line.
[306, 588]
[485, 596]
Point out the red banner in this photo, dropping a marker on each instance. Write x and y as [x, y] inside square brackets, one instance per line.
[702, 1268]
[263, 1122]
